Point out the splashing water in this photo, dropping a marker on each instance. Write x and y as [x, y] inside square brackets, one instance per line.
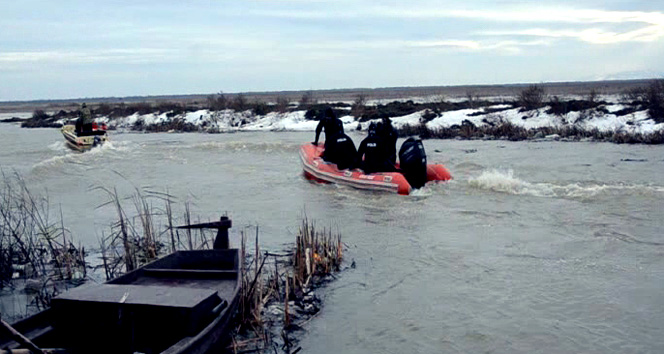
[76, 157]
[506, 182]
[421, 192]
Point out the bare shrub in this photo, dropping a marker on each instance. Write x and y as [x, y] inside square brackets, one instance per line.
[168, 106]
[261, 108]
[586, 107]
[282, 104]
[357, 109]
[655, 100]
[39, 114]
[558, 107]
[472, 98]
[217, 102]
[650, 98]
[141, 108]
[103, 109]
[239, 102]
[634, 96]
[593, 95]
[532, 97]
[307, 100]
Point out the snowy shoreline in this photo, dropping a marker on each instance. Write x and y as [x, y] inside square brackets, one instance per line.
[608, 117]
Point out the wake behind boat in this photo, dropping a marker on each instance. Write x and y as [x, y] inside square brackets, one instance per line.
[92, 135]
[317, 169]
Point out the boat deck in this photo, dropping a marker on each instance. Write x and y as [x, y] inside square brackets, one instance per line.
[148, 310]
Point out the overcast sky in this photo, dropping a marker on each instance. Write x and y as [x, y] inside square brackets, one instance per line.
[73, 49]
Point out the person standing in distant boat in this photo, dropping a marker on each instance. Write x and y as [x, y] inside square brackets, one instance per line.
[330, 124]
[84, 121]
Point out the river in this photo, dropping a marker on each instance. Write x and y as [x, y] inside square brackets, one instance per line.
[534, 247]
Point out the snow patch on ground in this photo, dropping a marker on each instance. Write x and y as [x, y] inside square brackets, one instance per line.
[229, 120]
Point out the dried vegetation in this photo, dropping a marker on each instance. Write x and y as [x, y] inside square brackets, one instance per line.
[37, 253]
[278, 296]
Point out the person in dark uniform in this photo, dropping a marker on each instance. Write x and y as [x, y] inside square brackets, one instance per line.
[389, 136]
[340, 149]
[330, 124]
[84, 121]
[373, 153]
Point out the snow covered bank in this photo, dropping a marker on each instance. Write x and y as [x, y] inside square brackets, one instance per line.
[228, 120]
[433, 117]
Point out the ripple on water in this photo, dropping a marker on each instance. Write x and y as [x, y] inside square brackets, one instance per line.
[245, 146]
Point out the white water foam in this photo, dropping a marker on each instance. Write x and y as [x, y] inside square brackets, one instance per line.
[58, 146]
[54, 161]
[75, 157]
[422, 192]
[506, 182]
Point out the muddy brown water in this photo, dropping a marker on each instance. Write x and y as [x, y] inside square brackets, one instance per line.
[548, 247]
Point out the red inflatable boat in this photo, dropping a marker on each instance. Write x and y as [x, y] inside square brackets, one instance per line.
[317, 169]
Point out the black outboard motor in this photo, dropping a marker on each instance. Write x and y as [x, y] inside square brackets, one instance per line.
[413, 161]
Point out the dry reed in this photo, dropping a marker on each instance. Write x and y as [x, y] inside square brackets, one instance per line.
[279, 283]
[32, 246]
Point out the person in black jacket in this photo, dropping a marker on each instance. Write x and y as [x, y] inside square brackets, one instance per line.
[330, 124]
[389, 136]
[373, 153]
[340, 149]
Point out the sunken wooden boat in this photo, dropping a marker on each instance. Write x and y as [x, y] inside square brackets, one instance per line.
[181, 303]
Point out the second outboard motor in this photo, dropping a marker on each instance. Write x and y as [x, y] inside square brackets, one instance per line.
[413, 161]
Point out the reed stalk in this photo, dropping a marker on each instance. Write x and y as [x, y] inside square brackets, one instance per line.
[286, 278]
[31, 245]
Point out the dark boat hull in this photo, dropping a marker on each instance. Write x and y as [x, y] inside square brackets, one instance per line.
[183, 303]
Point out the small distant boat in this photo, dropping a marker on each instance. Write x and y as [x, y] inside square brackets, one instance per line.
[180, 304]
[317, 169]
[94, 136]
